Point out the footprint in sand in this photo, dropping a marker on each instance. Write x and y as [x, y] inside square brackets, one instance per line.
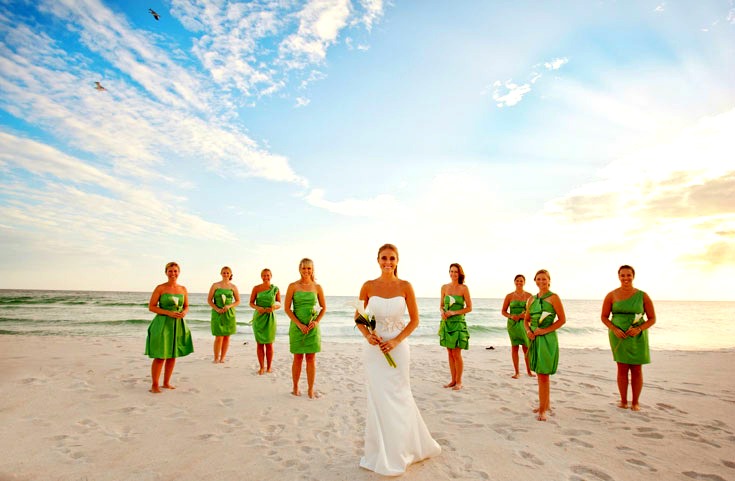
[703, 476]
[729, 464]
[648, 433]
[574, 442]
[584, 473]
[641, 464]
[524, 458]
[670, 408]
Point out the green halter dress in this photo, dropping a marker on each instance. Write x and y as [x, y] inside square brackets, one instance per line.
[223, 324]
[169, 337]
[543, 353]
[264, 325]
[453, 331]
[631, 350]
[516, 329]
[303, 306]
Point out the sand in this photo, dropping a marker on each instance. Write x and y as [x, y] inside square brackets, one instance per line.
[78, 408]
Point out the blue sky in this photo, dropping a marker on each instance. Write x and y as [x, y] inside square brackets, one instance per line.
[507, 136]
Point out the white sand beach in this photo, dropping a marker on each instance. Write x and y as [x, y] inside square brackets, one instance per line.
[74, 408]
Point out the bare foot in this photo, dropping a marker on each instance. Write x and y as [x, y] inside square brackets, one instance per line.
[451, 384]
[457, 387]
[516, 376]
[216, 361]
[296, 392]
[222, 361]
[541, 416]
[623, 405]
[531, 374]
[635, 407]
[169, 386]
[261, 371]
[269, 371]
[155, 390]
[536, 410]
[314, 394]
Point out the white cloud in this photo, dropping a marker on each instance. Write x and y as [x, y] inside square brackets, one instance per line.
[510, 94]
[660, 7]
[302, 102]
[556, 63]
[86, 202]
[320, 22]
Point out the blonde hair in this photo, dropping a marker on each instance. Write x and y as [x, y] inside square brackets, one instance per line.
[226, 268]
[306, 260]
[171, 264]
[542, 271]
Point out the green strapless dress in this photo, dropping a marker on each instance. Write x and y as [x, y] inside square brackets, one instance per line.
[168, 337]
[543, 353]
[516, 329]
[223, 324]
[453, 331]
[264, 325]
[303, 305]
[631, 350]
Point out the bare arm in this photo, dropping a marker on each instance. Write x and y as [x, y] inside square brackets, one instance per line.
[504, 309]
[605, 316]
[210, 298]
[236, 296]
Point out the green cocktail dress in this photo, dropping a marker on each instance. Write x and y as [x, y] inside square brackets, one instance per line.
[303, 306]
[632, 349]
[543, 352]
[169, 337]
[264, 325]
[453, 331]
[516, 329]
[223, 324]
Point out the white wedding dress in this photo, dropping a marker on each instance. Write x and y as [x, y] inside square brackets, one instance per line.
[395, 433]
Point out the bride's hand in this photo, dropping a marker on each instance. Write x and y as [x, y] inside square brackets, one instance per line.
[374, 339]
[388, 345]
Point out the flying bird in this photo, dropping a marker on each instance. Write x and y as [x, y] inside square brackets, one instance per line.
[155, 15]
[99, 86]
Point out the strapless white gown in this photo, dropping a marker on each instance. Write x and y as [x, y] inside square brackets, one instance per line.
[395, 433]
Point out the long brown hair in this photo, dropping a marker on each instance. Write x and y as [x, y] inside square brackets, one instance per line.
[461, 271]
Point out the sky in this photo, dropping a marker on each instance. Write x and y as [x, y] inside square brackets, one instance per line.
[573, 136]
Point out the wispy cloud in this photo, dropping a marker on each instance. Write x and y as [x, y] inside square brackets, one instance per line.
[510, 93]
[252, 47]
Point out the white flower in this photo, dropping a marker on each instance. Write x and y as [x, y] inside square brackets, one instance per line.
[360, 308]
[176, 300]
[451, 301]
[544, 315]
[224, 299]
[638, 319]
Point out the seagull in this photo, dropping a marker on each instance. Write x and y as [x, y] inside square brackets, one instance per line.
[155, 15]
[99, 86]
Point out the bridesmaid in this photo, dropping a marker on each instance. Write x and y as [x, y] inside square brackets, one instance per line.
[454, 303]
[223, 297]
[303, 300]
[514, 308]
[265, 299]
[168, 335]
[628, 333]
[544, 315]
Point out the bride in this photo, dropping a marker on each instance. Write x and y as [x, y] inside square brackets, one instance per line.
[395, 433]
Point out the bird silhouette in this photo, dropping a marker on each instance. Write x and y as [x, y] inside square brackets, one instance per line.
[155, 15]
[99, 86]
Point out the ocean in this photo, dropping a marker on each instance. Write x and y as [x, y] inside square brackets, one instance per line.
[680, 325]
